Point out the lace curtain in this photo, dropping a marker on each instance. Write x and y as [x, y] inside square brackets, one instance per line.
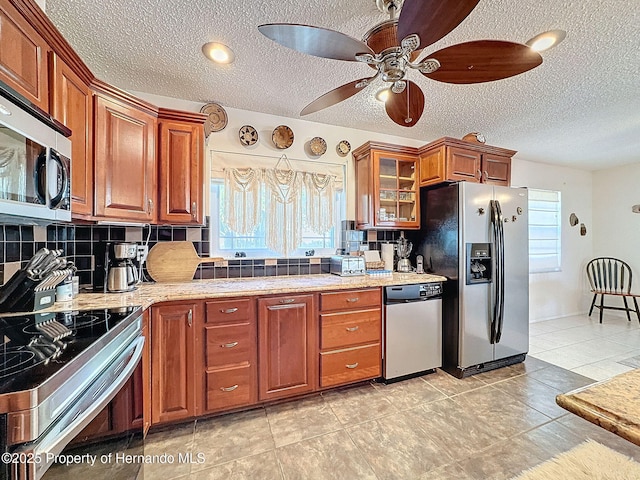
[284, 189]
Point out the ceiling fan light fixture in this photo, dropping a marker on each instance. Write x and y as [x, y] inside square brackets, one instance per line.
[546, 40]
[383, 94]
[218, 52]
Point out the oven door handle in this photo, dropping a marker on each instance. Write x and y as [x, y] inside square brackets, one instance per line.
[78, 417]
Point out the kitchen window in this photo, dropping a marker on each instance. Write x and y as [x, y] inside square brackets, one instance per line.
[544, 231]
[225, 242]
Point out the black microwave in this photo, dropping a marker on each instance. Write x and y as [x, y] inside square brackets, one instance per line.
[35, 168]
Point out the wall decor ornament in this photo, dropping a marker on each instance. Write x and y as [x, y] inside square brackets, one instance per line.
[217, 119]
[248, 135]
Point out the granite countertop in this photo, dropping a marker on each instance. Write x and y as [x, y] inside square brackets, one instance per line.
[149, 293]
[613, 404]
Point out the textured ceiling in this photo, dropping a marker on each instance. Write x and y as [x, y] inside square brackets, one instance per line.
[580, 108]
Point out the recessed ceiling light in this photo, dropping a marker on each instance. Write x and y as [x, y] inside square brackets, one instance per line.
[383, 94]
[546, 40]
[218, 52]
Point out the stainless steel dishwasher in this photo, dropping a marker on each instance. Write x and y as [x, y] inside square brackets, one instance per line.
[412, 330]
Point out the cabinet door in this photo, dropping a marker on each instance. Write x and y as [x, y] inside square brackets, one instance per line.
[23, 57]
[180, 174]
[72, 105]
[432, 167]
[125, 165]
[396, 186]
[496, 170]
[173, 361]
[463, 164]
[288, 346]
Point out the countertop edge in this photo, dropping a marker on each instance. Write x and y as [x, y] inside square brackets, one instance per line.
[148, 294]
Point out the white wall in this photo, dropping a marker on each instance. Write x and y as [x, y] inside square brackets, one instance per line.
[617, 232]
[227, 140]
[563, 293]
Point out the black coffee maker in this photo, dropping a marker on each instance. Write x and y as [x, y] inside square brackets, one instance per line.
[116, 267]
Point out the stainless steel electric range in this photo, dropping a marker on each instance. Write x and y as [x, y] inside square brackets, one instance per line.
[57, 372]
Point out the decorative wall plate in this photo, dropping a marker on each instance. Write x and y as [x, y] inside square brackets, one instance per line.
[217, 118]
[318, 146]
[248, 135]
[282, 137]
[343, 148]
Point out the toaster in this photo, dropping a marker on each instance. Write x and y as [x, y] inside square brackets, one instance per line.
[347, 265]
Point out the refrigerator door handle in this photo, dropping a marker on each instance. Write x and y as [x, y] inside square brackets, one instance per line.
[496, 267]
[501, 279]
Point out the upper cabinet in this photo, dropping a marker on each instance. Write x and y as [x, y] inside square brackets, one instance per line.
[72, 105]
[23, 57]
[450, 159]
[387, 190]
[180, 167]
[125, 160]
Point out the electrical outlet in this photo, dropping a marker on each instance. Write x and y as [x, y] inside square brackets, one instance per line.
[143, 251]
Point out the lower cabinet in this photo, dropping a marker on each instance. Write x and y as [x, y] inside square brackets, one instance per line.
[287, 346]
[173, 360]
[230, 349]
[224, 354]
[350, 336]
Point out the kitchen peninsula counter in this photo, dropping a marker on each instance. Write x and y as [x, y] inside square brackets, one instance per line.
[613, 404]
[148, 294]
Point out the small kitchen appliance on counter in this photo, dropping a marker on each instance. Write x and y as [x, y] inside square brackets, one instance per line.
[404, 250]
[115, 267]
[348, 265]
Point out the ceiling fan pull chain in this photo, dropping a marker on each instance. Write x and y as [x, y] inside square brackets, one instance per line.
[408, 119]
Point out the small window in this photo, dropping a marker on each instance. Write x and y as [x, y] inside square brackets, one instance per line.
[226, 243]
[544, 231]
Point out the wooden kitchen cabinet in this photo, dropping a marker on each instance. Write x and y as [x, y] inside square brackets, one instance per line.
[451, 160]
[181, 167]
[72, 105]
[125, 160]
[23, 57]
[229, 373]
[174, 360]
[350, 336]
[287, 346]
[387, 190]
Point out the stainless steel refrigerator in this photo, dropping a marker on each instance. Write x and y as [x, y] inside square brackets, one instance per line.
[477, 236]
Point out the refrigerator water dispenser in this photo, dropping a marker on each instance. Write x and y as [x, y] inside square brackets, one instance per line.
[478, 263]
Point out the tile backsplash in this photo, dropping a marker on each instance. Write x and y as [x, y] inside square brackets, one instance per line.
[79, 244]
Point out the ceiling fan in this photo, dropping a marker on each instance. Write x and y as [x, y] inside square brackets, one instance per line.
[393, 46]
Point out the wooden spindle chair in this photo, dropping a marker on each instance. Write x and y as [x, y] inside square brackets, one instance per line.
[610, 276]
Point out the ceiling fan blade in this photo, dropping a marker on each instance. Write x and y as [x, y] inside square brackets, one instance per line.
[336, 95]
[317, 41]
[406, 108]
[432, 19]
[483, 61]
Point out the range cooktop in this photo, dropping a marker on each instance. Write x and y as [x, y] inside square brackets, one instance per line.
[36, 346]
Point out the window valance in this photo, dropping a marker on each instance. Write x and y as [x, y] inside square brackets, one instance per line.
[224, 160]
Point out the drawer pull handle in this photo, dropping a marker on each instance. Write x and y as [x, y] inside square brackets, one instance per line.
[353, 300]
[229, 345]
[229, 310]
[353, 329]
[190, 317]
[287, 300]
[353, 365]
[229, 389]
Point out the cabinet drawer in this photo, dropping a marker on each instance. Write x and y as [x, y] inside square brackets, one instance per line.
[350, 300]
[229, 344]
[228, 387]
[350, 365]
[229, 311]
[350, 328]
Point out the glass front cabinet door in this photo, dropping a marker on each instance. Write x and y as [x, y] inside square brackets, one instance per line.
[387, 187]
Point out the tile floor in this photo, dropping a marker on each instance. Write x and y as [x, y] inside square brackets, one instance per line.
[488, 426]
